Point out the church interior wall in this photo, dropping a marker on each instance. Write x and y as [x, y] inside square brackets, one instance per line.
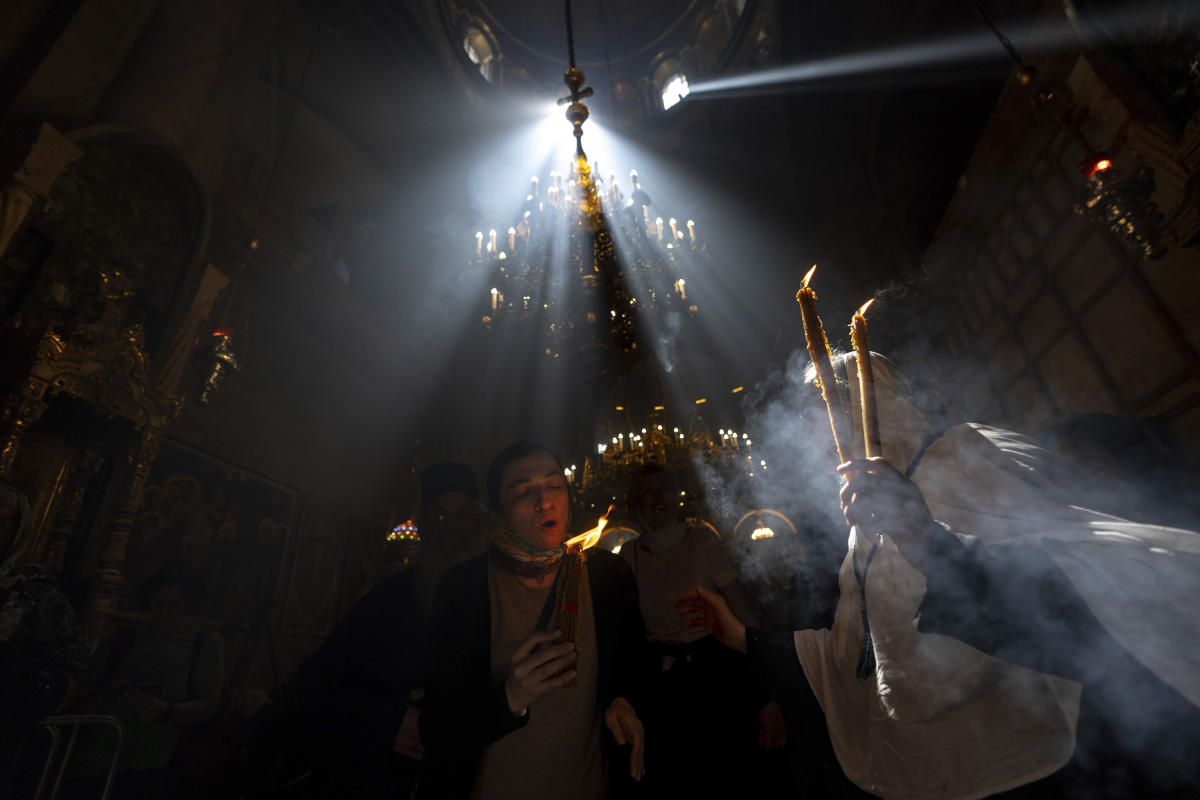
[1067, 317]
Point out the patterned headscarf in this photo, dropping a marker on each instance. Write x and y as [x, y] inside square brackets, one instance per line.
[515, 555]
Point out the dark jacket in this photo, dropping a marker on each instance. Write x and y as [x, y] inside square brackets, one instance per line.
[354, 689]
[464, 711]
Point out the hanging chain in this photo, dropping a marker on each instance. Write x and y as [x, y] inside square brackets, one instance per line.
[570, 36]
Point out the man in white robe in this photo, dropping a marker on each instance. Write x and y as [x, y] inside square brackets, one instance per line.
[983, 663]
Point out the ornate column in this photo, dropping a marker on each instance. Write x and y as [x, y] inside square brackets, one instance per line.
[24, 407]
[71, 498]
[51, 154]
[109, 581]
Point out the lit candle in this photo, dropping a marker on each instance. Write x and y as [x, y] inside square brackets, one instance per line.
[620, 443]
[818, 351]
[674, 229]
[492, 240]
[682, 289]
[479, 244]
[691, 225]
[495, 297]
[658, 227]
[866, 381]
[512, 238]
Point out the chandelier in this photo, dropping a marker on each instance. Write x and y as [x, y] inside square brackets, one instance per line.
[558, 268]
[671, 446]
[585, 263]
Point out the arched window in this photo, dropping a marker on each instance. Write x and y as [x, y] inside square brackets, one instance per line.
[674, 90]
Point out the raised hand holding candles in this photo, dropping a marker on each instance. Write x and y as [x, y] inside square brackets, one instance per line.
[866, 381]
[818, 351]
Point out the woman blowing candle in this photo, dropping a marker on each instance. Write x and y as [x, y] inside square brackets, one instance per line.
[500, 719]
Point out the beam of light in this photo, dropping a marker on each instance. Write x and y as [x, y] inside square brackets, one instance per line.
[1133, 24]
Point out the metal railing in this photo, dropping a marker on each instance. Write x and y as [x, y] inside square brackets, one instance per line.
[55, 726]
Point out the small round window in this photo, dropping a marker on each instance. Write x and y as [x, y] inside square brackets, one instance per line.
[482, 52]
[674, 90]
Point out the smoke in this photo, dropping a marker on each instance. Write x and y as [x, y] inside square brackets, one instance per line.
[792, 577]
[666, 345]
[1047, 585]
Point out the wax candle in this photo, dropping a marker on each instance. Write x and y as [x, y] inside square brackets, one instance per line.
[866, 381]
[818, 351]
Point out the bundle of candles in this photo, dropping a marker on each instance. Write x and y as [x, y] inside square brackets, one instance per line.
[569, 586]
[835, 405]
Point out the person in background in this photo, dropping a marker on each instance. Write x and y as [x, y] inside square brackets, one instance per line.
[667, 559]
[791, 579]
[162, 680]
[359, 693]
[42, 649]
[511, 711]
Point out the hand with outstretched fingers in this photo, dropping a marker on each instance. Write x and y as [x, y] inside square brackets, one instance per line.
[626, 728]
[708, 610]
[536, 671]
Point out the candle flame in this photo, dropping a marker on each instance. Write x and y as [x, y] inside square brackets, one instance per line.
[863, 309]
[589, 538]
[808, 277]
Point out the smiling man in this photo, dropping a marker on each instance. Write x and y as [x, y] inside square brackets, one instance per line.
[511, 710]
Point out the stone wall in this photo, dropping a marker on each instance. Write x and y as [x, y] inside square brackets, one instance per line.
[1065, 317]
